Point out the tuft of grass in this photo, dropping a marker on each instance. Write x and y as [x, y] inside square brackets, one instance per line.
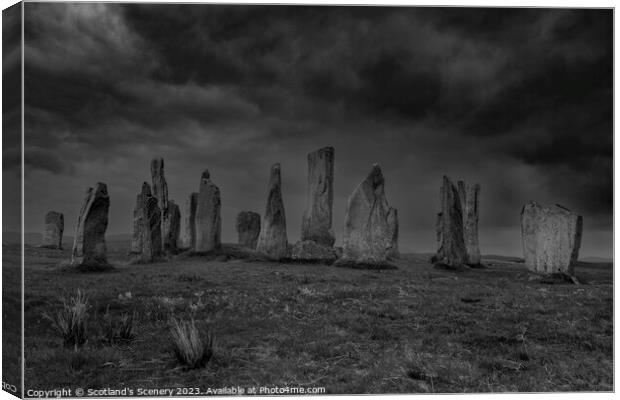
[70, 321]
[419, 367]
[188, 346]
[78, 360]
[116, 331]
[439, 371]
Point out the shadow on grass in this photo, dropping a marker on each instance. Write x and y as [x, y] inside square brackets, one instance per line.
[344, 263]
[87, 268]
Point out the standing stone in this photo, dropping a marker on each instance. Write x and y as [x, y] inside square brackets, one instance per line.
[317, 236]
[438, 235]
[317, 218]
[78, 237]
[551, 238]
[248, 228]
[392, 220]
[138, 221]
[54, 227]
[172, 227]
[368, 235]
[146, 238]
[207, 222]
[469, 197]
[160, 187]
[451, 252]
[188, 239]
[272, 240]
[160, 191]
[90, 231]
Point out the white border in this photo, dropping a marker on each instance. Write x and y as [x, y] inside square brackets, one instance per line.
[453, 3]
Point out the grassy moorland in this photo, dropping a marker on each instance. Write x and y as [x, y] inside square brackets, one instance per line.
[414, 329]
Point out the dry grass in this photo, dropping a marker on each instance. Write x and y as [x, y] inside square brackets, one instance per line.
[191, 347]
[118, 330]
[412, 330]
[70, 321]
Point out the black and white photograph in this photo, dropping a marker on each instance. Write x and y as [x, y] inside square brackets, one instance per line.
[301, 199]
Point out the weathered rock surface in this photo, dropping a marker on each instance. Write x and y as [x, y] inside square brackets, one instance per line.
[317, 219]
[146, 238]
[451, 251]
[160, 187]
[78, 237]
[160, 191]
[54, 228]
[248, 228]
[368, 233]
[188, 238]
[311, 251]
[469, 196]
[438, 233]
[338, 251]
[551, 238]
[272, 240]
[208, 223]
[392, 220]
[89, 249]
[172, 227]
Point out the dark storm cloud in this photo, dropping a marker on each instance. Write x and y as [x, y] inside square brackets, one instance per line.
[96, 95]
[534, 85]
[518, 99]
[38, 158]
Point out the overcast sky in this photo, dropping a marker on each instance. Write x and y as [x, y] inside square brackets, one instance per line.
[518, 100]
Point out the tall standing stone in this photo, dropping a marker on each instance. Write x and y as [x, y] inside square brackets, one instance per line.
[160, 187]
[438, 232]
[392, 220]
[469, 197]
[208, 222]
[451, 251]
[138, 220]
[92, 224]
[78, 237]
[188, 238]
[272, 240]
[172, 227]
[146, 238]
[170, 212]
[160, 191]
[317, 219]
[248, 228]
[551, 238]
[54, 228]
[368, 234]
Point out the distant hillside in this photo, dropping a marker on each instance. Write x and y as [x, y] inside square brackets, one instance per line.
[34, 239]
[503, 258]
[120, 239]
[596, 260]
[15, 238]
